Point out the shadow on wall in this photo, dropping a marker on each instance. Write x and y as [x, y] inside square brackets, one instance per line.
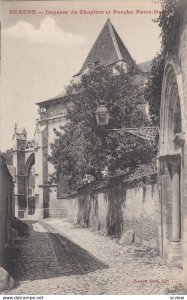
[114, 209]
[40, 255]
[89, 210]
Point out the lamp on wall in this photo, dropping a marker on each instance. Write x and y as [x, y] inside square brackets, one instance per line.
[102, 115]
[146, 133]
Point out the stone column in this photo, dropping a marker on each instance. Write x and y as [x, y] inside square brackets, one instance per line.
[165, 209]
[16, 205]
[184, 274]
[176, 213]
[27, 194]
[175, 255]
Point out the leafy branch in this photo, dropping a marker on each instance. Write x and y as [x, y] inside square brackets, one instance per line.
[82, 147]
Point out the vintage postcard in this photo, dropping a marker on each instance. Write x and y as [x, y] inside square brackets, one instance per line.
[93, 174]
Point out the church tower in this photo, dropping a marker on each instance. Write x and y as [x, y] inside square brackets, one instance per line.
[108, 49]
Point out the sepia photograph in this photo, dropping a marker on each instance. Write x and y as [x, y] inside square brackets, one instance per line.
[93, 148]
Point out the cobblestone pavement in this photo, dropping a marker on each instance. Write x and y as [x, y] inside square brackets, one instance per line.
[56, 257]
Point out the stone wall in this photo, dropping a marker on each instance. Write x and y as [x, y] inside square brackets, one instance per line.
[140, 213]
[172, 175]
[115, 209]
[7, 206]
[183, 59]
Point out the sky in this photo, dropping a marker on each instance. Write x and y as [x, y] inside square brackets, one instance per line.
[41, 52]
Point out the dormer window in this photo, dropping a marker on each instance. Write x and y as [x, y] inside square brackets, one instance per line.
[43, 109]
[96, 63]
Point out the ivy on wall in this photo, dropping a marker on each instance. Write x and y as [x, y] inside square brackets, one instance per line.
[168, 21]
[116, 198]
[88, 210]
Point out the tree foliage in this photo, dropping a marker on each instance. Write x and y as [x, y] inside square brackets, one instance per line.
[168, 21]
[154, 87]
[82, 147]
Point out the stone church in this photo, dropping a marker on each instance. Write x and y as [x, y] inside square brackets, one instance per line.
[35, 196]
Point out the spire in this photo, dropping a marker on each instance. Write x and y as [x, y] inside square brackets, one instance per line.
[107, 49]
[15, 127]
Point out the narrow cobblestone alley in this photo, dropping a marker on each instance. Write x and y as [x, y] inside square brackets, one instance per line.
[55, 257]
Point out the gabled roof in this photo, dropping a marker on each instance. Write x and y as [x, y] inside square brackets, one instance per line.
[59, 97]
[107, 49]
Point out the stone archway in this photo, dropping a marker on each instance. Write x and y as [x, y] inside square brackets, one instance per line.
[171, 157]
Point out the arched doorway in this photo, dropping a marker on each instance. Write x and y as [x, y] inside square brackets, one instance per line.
[30, 185]
[171, 157]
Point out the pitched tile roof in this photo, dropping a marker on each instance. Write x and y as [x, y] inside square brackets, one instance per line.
[107, 49]
[138, 174]
[145, 66]
[142, 171]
